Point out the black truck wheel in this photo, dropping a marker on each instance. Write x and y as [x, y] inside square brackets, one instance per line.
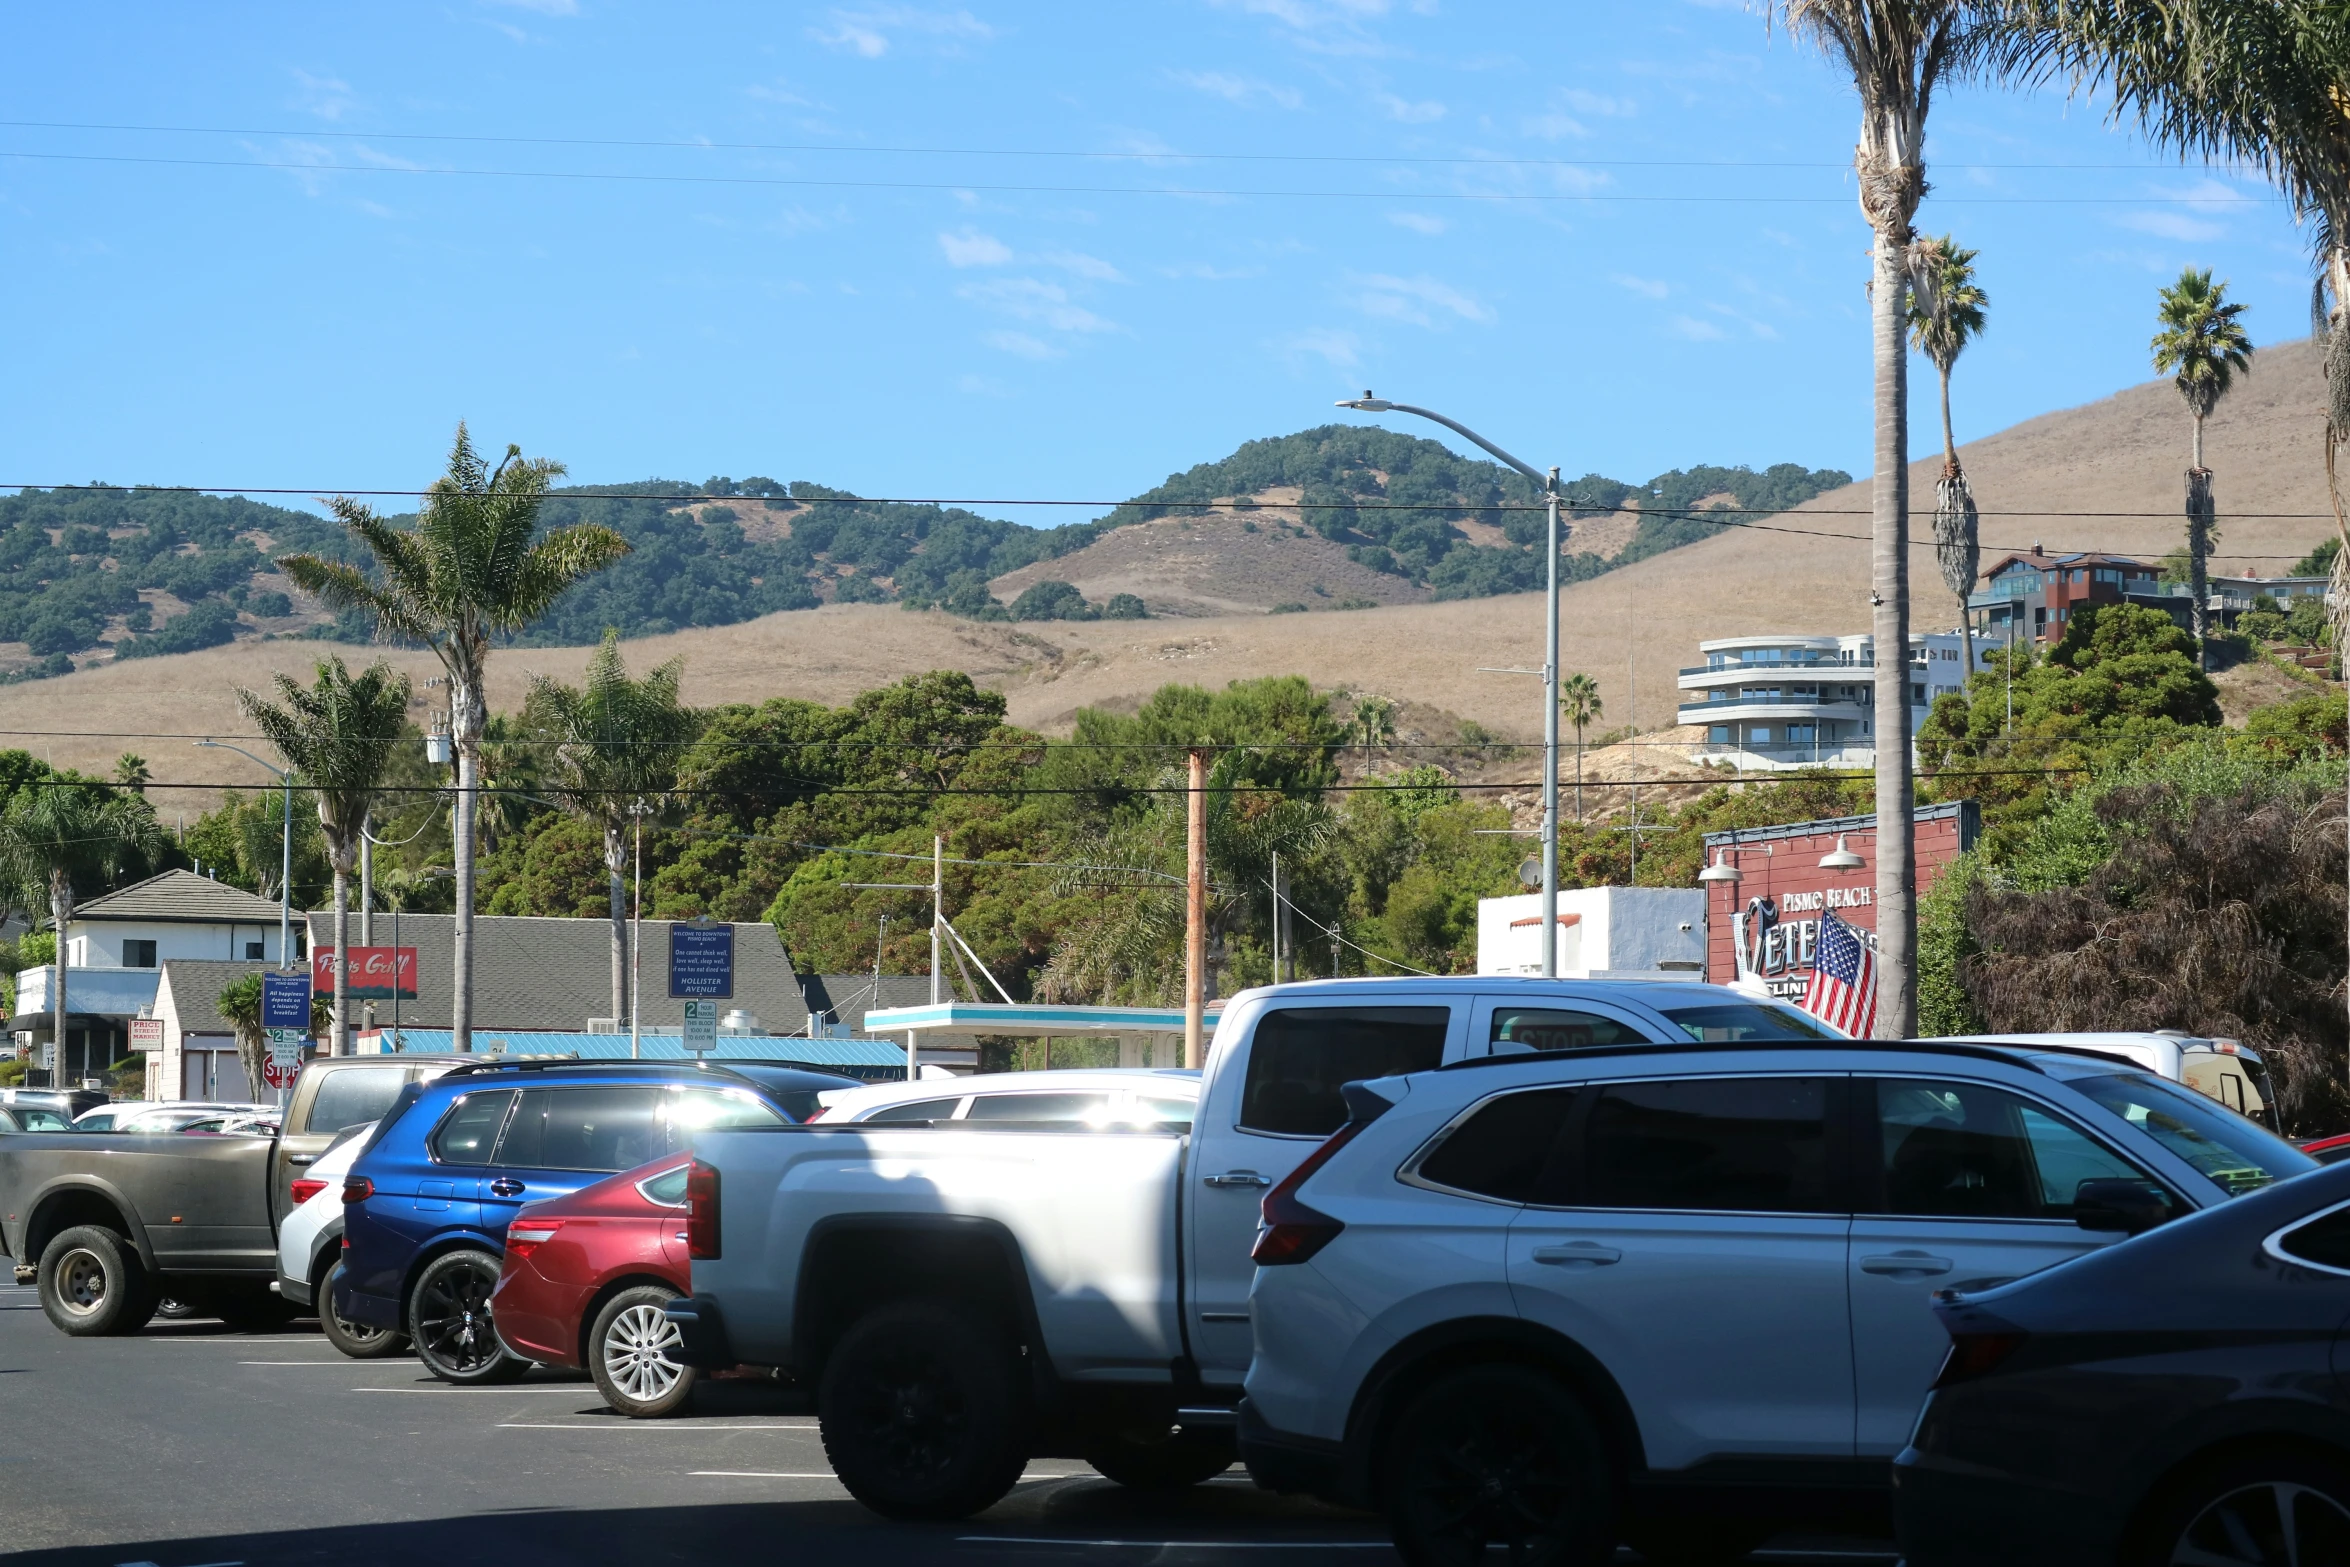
[449, 1315]
[923, 1412]
[93, 1284]
[1164, 1458]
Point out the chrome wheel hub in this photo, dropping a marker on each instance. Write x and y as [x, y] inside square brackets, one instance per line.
[634, 1355]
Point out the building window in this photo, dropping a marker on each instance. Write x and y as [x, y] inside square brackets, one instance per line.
[1719, 734]
[252, 951]
[1802, 734]
[1917, 696]
[1758, 734]
[138, 954]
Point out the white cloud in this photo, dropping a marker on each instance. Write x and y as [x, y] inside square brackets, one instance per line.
[1206, 273]
[1426, 112]
[1418, 300]
[1325, 26]
[1593, 103]
[1418, 222]
[542, 7]
[1021, 344]
[869, 31]
[1338, 349]
[982, 386]
[1037, 302]
[974, 249]
[1646, 288]
[1553, 126]
[1694, 330]
[1242, 90]
[328, 97]
[1084, 266]
[2170, 225]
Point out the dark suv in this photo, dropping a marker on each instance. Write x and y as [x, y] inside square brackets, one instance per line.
[427, 1205]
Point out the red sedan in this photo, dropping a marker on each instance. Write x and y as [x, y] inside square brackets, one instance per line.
[585, 1279]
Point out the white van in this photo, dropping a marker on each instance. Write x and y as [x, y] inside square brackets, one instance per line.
[2223, 1069]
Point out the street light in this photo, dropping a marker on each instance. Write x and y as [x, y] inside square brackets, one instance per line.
[1367, 403]
[285, 877]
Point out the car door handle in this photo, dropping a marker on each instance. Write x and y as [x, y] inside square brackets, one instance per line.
[298, 1160]
[505, 1186]
[1587, 1254]
[1903, 1264]
[680, 1235]
[1237, 1178]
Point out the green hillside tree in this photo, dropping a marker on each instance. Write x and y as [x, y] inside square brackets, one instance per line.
[337, 734]
[473, 567]
[2203, 345]
[611, 749]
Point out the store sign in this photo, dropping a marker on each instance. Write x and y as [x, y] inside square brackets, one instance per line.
[146, 1033]
[377, 973]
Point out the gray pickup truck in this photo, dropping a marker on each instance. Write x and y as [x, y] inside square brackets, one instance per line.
[109, 1224]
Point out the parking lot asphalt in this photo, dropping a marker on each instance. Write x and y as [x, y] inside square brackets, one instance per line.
[188, 1445]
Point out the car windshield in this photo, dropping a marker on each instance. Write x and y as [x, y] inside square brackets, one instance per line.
[2232, 1153]
[1733, 1022]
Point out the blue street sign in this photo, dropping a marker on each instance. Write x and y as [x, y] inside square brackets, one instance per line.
[701, 961]
[285, 1000]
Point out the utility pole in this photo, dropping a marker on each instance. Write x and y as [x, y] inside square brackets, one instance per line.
[1195, 916]
[938, 914]
[1284, 951]
[636, 941]
[367, 905]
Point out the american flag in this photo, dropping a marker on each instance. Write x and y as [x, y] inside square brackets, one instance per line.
[1843, 989]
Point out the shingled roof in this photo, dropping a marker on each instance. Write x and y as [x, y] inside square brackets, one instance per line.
[181, 898]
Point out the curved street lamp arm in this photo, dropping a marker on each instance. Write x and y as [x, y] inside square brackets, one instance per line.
[1371, 404]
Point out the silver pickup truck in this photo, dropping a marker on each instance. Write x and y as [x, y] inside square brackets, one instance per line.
[965, 1297]
[110, 1223]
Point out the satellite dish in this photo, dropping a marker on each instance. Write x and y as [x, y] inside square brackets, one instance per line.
[1530, 871]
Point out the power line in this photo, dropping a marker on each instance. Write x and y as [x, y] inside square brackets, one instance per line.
[1184, 191]
[1150, 155]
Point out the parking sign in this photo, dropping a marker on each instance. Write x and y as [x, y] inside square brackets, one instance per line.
[701, 1026]
[701, 961]
[285, 1001]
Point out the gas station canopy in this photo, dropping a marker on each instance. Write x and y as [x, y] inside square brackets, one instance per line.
[1130, 1026]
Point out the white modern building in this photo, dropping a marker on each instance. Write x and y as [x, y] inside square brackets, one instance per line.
[1603, 932]
[1776, 703]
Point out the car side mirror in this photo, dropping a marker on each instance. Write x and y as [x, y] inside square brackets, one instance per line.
[2119, 1205]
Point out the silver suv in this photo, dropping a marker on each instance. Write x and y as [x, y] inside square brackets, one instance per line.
[1679, 1296]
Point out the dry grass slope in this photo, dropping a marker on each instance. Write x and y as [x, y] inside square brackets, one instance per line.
[2103, 476]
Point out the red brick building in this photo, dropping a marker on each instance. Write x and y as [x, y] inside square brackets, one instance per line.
[1774, 906]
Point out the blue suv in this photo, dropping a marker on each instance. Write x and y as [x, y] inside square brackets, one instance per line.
[425, 1208]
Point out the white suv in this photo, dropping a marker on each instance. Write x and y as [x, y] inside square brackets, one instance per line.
[1678, 1295]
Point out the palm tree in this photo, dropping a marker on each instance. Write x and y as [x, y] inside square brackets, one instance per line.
[1375, 723]
[472, 567]
[1946, 314]
[239, 1004]
[2203, 343]
[613, 743]
[70, 836]
[1899, 53]
[1579, 704]
[338, 735]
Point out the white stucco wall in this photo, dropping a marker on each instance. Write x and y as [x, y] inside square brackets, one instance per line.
[98, 943]
[1617, 929]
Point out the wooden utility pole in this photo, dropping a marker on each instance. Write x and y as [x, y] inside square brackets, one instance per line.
[1195, 918]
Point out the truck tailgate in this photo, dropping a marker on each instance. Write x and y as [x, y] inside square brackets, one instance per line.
[1093, 1214]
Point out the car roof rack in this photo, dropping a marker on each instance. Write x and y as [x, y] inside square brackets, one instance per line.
[575, 1064]
[2008, 1055]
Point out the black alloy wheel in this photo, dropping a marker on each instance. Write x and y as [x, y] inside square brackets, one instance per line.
[359, 1340]
[2283, 1507]
[923, 1412]
[1503, 1457]
[449, 1319]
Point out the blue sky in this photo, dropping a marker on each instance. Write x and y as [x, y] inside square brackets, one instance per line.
[1015, 249]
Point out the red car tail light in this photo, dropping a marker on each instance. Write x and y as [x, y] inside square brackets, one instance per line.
[816, 1115]
[1292, 1232]
[1974, 1355]
[701, 1212]
[357, 1188]
[305, 1188]
[525, 1236]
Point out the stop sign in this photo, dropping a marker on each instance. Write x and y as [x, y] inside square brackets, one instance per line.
[277, 1074]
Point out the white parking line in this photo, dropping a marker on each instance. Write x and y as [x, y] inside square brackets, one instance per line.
[1164, 1545]
[633, 1425]
[826, 1474]
[573, 1390]
[340, 1364]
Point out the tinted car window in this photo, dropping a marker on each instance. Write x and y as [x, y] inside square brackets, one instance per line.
[668, 1186]
[352, 1095]
[2236, 1156]
[1502, 1149]
[1757, 1145]
[1039, 1107]
[36, 1118]
[1965, 1151]
[1172, 1113]
[470, 1130]
[608, 1128]
[920, 1110]
[2324, 1241]
[691, 1110]
[1552, 1028]
[1302, 1056]
[1735, 1021]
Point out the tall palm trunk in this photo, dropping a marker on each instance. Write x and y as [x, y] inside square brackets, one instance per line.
[1966, 615]
[461, 995]
[615, 862]
[60, 910]
[2337, 431]
[340, 1043]
[1889, 578]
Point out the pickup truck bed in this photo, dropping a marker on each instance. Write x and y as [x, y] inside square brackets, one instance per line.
[108, 1224]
